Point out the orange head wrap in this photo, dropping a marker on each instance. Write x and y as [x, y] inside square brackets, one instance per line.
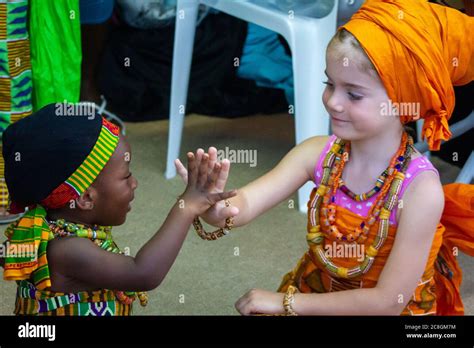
[420, 50]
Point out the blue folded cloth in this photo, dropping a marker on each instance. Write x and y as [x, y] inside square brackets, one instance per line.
[265, 61]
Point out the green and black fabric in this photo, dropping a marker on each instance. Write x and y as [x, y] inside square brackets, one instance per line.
[15, 73]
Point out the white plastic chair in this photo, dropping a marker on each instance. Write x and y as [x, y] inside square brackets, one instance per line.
[466, 175]
[307, 38]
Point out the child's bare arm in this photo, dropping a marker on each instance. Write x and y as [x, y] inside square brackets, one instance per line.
[294, 170]
[81, 260]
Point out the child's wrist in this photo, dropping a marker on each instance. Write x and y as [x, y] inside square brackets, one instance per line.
[187, 207]
[229, 223]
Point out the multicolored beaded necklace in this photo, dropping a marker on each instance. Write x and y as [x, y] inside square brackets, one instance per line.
[323, 202]
[364, 196]
[102, 237]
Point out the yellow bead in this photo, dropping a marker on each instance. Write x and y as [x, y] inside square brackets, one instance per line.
[321, 190]
[314, 229]
[335, 148]
[371, 251]
[400, 176]
[342, 272]
[384, 214]
[311, 236]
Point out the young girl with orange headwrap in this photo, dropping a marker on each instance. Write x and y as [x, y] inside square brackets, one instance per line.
[388, 248]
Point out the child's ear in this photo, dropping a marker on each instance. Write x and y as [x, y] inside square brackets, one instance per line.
[87, 199]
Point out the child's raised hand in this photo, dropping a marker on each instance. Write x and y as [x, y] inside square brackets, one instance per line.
[212, 151]
[203, 175]
[218, 213]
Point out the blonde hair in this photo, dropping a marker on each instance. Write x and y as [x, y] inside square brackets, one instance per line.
[344, 45]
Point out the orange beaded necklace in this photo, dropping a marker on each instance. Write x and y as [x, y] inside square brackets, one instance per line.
[323, 203]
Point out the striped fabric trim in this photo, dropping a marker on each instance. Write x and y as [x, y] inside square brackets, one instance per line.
[103, 149]
[31, 301]
[3, 21]
[18, 56]
[5, 92]
[29, 238]
[3, 185]
[15, 117]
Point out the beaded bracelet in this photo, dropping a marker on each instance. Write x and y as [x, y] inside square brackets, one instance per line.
[229, 222]
[288, 301]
